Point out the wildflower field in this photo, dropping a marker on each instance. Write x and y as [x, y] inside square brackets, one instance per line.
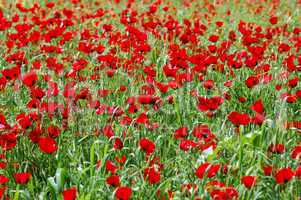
[146, 100]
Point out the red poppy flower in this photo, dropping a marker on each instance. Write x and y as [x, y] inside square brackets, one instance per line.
[34, 103]
[225, 169]
[69, 194]
[293, 82]
[108, 131]
[290, 98]
[142, 119]
[3, 179]
[242, 99]
[146, 99]
[12, 73]
[219, 23]
[147, 145]
[47, 145]
[238, 118]
[185, 145]
[8, 141]
[267, 170]
[30, 79]
[283, 48]
[24, 121]
[79, 64]
[181, 132]
[118, 144]
[213, 169]
[231, 193]
[276, 148]
[201, 170]
[211, 104]
[123, 193]
[284, 175]
[201, 131]
[217, 194]
[37, 93]
[2, 190]
[3, 119]
[22, 178]
[162, 87]
[273, 20]
[34, 135]
[296, 152]
[248, 181]
[251, 81]
[50, 5]
[53, 89]
[110, 73]
[2, 166]
[113, 180]
[258, 106]
[53, 131]
[3, 82]
[152, 175]
[213, 38]
[258, 119]
[111, 167]
[120, 159]
[208, 84]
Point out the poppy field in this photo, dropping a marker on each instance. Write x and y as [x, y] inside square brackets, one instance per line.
[141, 99]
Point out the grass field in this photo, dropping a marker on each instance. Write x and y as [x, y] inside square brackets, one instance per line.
[166, 99]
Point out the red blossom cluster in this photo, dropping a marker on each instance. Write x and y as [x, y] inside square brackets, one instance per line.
[220, 84]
